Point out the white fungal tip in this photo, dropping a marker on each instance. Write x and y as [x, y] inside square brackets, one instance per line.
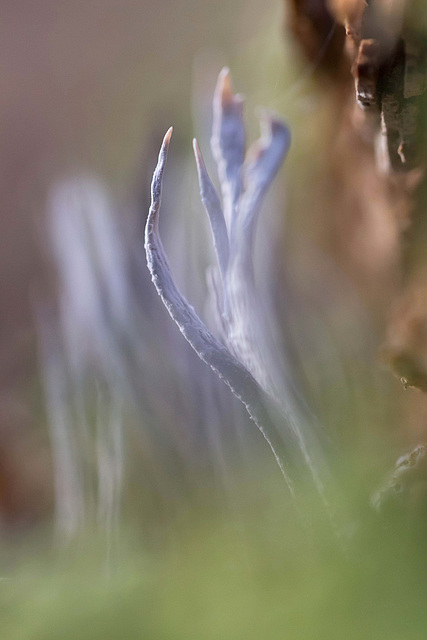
[168, 136]
[224, 87]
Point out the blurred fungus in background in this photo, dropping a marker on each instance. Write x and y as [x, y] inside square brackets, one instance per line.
[137, 496]
[88, 90]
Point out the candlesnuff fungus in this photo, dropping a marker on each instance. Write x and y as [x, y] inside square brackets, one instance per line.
[247, 363]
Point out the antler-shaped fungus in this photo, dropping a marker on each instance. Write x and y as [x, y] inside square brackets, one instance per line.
[243, 366]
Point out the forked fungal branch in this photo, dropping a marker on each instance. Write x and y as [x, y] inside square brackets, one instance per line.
[244, 183]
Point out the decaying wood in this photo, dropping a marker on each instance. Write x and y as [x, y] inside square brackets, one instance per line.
[317, 32]
[405, 348]
[405, 488]
[388, 63]
[388, 52]
[366, 73]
